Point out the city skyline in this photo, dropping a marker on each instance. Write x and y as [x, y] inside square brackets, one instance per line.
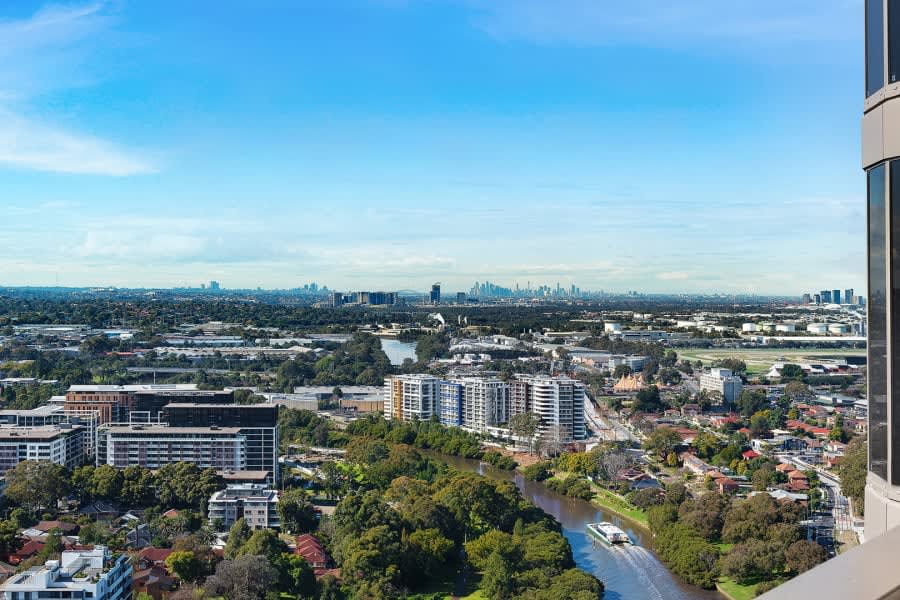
[616, 148]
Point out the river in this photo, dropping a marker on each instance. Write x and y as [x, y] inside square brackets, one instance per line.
[629, 573]
[398, 351]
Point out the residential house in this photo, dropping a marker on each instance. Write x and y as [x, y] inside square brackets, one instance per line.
[311, 550]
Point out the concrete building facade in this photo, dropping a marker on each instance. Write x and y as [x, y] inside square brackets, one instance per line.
[60, 444]
[154, 446]
[79, 575]
[558, 401]
[407, 397]
[256, 504]
[723, 381]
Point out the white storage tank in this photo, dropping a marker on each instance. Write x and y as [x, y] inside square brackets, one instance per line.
[749, 327]
[612, 327]
[839, 328]
[785, 327]
[817, 328]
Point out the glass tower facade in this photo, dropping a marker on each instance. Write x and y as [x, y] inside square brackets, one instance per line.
[881, 160]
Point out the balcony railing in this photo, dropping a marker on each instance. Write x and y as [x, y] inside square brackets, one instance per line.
[867, 572]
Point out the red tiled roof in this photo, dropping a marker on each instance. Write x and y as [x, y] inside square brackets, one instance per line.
[751, 454]
[61, 525]
[155, 555]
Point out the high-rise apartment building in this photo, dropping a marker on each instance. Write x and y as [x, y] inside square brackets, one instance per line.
[435, 296]
[116, 403]
[849, 296]
[826, 296]
[881, 161]
[60, 444]
[485, 402]
[558, 401]
[408, 397]
[257, 424]
[154, 446]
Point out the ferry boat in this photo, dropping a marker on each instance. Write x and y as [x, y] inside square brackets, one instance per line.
[608, 533]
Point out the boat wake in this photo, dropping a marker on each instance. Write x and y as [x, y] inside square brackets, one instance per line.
[643, 563]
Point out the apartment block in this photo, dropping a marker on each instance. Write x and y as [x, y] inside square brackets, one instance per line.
[724, 382]
[60, 444]
[256, 504]
[116, 403]
[409, 397]
[558, 401]
[256, 423]
[94, 574]
[153, 446]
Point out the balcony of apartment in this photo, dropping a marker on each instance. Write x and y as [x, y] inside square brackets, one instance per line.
[867, 572]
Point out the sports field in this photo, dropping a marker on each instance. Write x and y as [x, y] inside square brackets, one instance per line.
[759, 360]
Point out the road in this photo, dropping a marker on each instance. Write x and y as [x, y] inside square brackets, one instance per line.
[833, 515]
[605, 428]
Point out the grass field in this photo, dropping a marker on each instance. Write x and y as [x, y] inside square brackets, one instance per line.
[616, 504]
[734, 590]
[759, 360]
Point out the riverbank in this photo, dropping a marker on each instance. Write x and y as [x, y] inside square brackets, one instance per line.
[614, 503]
[733, 590]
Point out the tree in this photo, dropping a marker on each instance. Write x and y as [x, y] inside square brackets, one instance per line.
[661, 516]
[106, 482]
[237, 537]
[524, 426]
[621, 371]
[244, 578]
[296, 511]
[185, 565]
[751, 561]
[791, 372]
[648, 400]
[9, 537]
[662, 440]
[852, 470]
[36, 485]
[803, 555]
[295, 576]
[330, 589]
[370, 562]
[264, 542]
[430, 551]
[752, 401]
[572, 584]
[796, 390]
[496, 579]
[759, 424]
[736, 366]
[762, 478]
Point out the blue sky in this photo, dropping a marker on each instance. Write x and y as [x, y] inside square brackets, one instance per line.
[692, 146]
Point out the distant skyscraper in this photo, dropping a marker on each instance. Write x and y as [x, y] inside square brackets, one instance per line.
[836, 296]
[848, 296]
[460, 297]
[435, 293]
[817, 298]
[805, 299]
[826, 296]
[214, 286]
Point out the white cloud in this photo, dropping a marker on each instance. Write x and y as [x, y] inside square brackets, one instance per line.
[31, 145]
[43, 53]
